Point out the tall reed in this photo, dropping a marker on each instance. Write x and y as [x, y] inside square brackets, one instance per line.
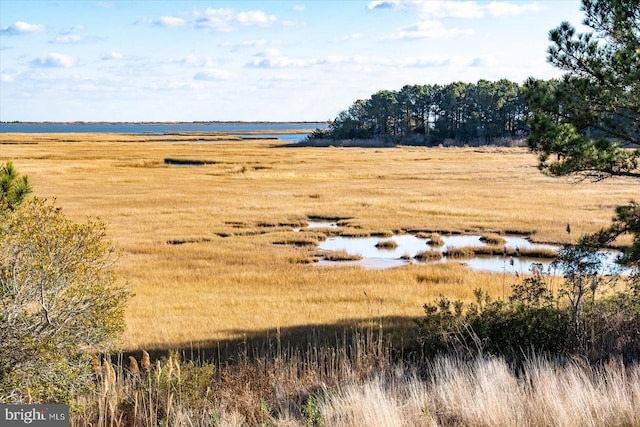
[361, 381]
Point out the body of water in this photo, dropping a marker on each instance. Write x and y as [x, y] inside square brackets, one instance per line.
[408, 246]
[234, 128]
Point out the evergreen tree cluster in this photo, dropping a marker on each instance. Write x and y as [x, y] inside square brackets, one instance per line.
[431, 114]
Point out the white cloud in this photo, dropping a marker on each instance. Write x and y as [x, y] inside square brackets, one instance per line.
[72, 29]
[443, 61]
[484, 61]
[165, 21]
[6, 78]
[298, 8]
[21, 27]
[426, 30]
[439, 9]
[54, 60]
[215, 19]
[255, 17]
[170, 21]
[112, 56]
[273, 58]
[68, 39]
[431, 13]
[226, 20]
[349, 37]
[243, 44]
[450, 9]
[509, 9]
[383, 5]
[212, 75]
[195, 61]
[289, 78]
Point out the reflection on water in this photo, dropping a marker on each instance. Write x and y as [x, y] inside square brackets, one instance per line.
[322, 224]
[409, 246]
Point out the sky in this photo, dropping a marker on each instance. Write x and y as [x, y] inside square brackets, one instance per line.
[256, 60]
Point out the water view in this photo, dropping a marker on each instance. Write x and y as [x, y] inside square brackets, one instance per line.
[234, 128]
[408, 246]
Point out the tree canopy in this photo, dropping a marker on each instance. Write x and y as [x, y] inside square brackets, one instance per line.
[14, 188]
[430, 114]
[588, 122]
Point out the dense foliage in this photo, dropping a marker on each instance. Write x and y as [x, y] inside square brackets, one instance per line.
[14, 188]
[58, 299]
[589, 121]
[578, 319]
[430, 114]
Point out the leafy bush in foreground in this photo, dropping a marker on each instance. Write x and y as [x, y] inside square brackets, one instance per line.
[534, 320]
[58, 302]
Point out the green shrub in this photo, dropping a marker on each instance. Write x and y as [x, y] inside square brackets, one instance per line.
[507, 328]
[575, 322]
[58, 301]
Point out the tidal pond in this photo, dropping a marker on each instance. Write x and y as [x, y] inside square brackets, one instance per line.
[408, 246]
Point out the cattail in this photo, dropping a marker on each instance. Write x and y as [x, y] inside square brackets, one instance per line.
[158, 371]
[109, 373]
[145, 362]
[133, 365]
[170, 366]
[177, 363]
[97, 369]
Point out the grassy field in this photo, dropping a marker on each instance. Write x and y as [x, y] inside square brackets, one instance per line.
[209, 250]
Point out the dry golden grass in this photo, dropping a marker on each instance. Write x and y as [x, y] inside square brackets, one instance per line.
[200, 244]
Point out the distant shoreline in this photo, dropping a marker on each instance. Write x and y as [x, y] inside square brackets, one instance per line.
[287, 131]
[151, 123]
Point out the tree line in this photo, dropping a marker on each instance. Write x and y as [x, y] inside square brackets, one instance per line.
[431, 114]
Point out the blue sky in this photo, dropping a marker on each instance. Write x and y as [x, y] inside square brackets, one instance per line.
[255, 60]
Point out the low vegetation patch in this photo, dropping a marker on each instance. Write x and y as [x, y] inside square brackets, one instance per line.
[533, 253]
[188, 162]
[430, 255]
[387, 244]
[470, 251]
[186, 241]
[342, 256]
[434, 239]
[492, 239]
[298, 239]
[463, 252]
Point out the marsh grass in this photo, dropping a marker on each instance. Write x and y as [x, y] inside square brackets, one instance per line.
[430, 255]
[433, 239]
[471, 251]
[492, 239]
[298, 239]
[341, 256]
[230, 262]
[360, 381]
[462, 252]
[387, 244]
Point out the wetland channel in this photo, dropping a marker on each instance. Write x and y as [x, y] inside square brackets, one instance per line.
[408, 246]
